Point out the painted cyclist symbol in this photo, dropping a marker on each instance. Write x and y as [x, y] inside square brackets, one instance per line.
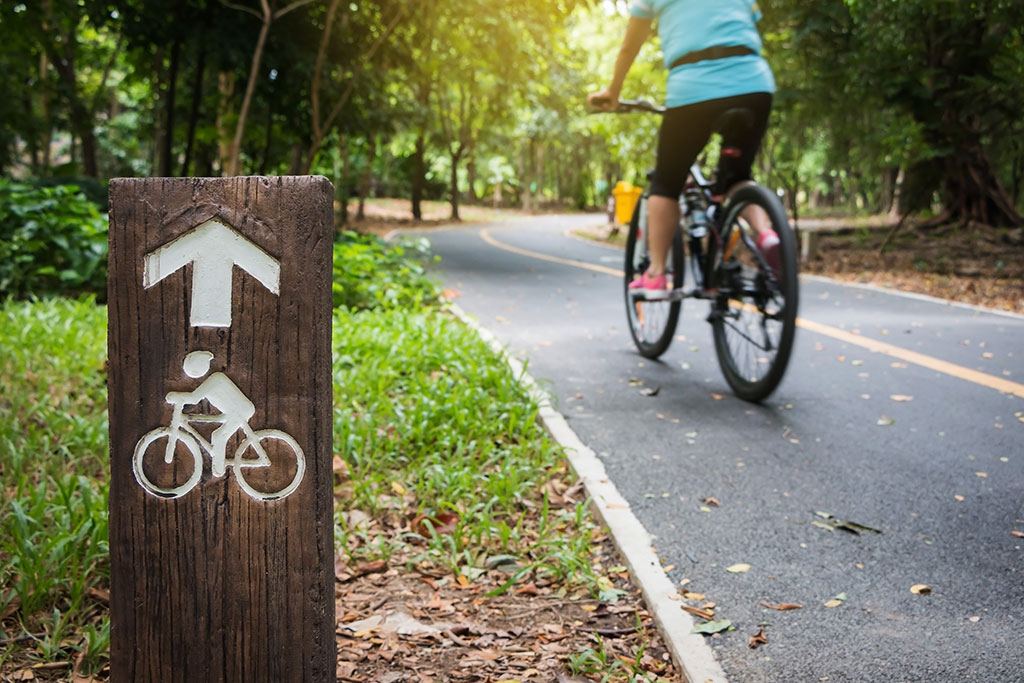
[159, 468]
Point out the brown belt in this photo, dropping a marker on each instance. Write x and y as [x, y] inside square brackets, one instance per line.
[712, 53]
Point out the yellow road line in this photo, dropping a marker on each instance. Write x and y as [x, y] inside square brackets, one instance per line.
[986, 380]
[485, 235]
[952, 369]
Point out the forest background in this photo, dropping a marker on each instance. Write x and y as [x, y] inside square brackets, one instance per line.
[883, 106]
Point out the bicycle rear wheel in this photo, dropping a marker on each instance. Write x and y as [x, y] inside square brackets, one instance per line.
[753, 316]
[651, 323]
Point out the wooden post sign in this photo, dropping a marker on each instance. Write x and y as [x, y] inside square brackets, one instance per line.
[221, 501]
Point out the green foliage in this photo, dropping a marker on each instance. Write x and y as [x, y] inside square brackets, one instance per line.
[432, 423]
[52, 241]
[371, 273]
[53, 463]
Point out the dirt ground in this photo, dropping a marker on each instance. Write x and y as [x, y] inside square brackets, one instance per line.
[400, 626]
[982, 265]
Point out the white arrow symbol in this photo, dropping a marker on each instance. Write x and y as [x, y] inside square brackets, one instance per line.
[214, 250]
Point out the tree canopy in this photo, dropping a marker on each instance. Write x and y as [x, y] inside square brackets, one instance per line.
[882, 105]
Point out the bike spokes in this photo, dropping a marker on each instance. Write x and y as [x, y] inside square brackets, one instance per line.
[283, 468]
[652, 323]
[167, 464]
[754, 315]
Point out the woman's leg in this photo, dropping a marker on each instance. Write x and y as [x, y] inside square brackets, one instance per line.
[662, 220]
[684, 132]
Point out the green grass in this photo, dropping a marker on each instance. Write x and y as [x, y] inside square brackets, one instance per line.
[445, 463]
[433, 425]
[53, 463]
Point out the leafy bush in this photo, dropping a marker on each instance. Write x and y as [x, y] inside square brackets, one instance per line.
[370, 273]
[52, 241]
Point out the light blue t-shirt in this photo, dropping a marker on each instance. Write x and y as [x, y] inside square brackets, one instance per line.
[690, 25]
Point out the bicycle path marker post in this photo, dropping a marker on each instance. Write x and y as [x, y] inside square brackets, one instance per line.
[220, 391]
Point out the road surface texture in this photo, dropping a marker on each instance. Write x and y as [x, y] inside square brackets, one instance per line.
[897, 413]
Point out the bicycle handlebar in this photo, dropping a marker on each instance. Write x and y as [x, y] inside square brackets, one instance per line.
[627, 106]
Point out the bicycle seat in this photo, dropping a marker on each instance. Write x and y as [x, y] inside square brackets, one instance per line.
[736, 121]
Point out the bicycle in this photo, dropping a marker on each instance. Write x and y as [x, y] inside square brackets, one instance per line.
[753, 308]
[181, 430]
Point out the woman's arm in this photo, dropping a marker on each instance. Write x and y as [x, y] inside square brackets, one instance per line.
[637, 31]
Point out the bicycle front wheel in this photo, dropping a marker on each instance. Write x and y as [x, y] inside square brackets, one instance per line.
[167, 463]
[651, 323]
[753, 316]
[276, 479]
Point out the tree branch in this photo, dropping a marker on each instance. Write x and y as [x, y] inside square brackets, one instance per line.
[281, 12]
[336, 110]
[242, 8]
[321, 54]
[106, 74]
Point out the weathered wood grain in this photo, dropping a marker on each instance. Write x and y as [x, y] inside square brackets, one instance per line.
[216, 585]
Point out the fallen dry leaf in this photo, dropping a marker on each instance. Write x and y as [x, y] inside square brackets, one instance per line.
[920, 589]
[711, 501]
[738, 568]
[757, 640]
[901, 398]
[782, 606]
[1018, 534]
[705, 614]
[833, 603]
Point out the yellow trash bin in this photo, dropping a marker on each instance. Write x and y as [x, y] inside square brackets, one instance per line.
[626, 197]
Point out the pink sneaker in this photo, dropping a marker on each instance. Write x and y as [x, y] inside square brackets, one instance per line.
[768, 244]
[651, 287]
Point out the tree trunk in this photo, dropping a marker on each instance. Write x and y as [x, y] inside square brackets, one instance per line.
[418, 178]
[346, 167]
[525, 159]
[235, 154]
[366, 181]
[540, 174]
[887, 194]
[167, 148]
[268, 139]
[197, 98]
[471, 195]
[295, 163]
[456, 155]
[226, 90]
[973, 191]
[44, 110]
[79, 115]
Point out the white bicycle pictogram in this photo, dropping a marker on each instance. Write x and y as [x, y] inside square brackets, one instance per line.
[235, 411]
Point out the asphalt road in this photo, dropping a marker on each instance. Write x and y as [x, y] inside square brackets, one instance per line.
[926, 447]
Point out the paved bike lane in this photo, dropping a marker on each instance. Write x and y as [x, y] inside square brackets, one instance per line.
[931, 459]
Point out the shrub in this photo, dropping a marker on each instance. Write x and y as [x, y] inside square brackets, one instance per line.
[370, 273]
[53, 241]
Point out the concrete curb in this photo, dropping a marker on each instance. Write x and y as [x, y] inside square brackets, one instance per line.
[691, 654]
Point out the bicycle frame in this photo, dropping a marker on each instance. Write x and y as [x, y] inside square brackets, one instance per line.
[182, 424]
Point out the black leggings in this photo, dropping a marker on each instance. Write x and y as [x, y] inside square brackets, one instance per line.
[686, 130]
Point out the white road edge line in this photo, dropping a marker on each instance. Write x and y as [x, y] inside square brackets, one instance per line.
[911, 295]
[691, 654]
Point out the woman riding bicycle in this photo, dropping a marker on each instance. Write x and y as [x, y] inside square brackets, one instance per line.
[712, 51]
